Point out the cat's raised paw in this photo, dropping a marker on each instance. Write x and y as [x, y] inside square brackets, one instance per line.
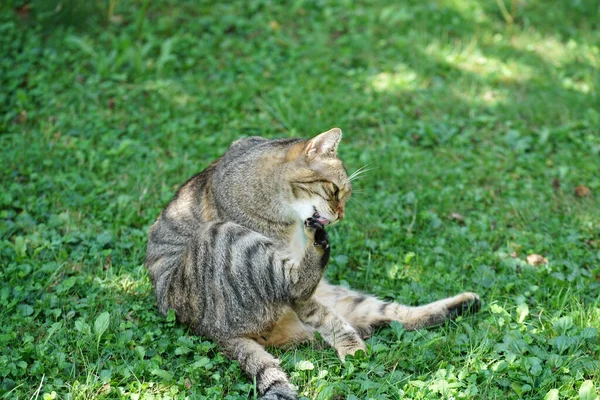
[313, 223]
[315, 231]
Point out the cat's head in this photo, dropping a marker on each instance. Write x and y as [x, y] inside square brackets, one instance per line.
[319, 183]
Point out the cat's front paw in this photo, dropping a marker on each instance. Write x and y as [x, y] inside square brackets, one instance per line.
[350, 347]
[315, 232]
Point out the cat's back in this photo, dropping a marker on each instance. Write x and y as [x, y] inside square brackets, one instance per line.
[171, 233]
[193, 204]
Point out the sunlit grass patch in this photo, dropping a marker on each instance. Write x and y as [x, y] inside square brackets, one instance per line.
[400, 80]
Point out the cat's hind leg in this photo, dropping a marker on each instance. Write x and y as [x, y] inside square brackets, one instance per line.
[272, 383]
[364, 312]
[287, 330]
[334, 329]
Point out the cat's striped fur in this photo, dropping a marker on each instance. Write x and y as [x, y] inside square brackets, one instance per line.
[239, 254]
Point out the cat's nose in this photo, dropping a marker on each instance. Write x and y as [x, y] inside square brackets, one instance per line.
[340, 212]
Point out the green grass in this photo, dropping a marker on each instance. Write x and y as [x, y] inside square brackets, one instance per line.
[455, 109]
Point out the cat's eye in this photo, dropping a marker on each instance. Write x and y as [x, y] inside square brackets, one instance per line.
[336, 191]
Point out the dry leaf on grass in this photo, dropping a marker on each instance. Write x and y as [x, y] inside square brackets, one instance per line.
[536, 260]
[23, 11]
[556, 184]
[22, 117]
[582, 191]
[457, 217]
[107, 262]
[116, 19]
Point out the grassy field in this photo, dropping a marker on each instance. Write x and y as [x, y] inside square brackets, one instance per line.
[479, 122]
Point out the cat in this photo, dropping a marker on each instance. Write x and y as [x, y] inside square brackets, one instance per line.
[240, 251]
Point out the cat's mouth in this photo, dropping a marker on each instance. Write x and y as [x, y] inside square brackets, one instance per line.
[319, 218]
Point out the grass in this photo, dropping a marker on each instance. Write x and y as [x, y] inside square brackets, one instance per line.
[478, 122]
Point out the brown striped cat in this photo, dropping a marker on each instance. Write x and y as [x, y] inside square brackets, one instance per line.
[239, 254]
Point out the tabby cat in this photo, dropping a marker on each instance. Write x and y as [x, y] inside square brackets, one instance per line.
[239, 254]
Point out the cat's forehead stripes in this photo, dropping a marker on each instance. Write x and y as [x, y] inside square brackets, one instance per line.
[332, 170]
[337, 177]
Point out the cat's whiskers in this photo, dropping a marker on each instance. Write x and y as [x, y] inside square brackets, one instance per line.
[357, 174]
[358, 202]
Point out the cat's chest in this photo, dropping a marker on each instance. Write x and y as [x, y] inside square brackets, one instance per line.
[297, 244]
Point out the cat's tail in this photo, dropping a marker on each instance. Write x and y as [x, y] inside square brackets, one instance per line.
[271, 382]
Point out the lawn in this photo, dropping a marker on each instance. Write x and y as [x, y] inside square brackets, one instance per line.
[479, 122]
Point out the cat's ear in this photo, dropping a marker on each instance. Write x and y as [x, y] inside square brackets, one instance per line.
[324, 144]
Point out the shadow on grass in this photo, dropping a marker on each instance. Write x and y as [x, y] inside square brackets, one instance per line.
[475, 73]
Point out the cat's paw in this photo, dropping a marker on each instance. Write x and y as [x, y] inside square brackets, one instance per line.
[279, 392]
[315, 232]
[350, 347]
[464, 303]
